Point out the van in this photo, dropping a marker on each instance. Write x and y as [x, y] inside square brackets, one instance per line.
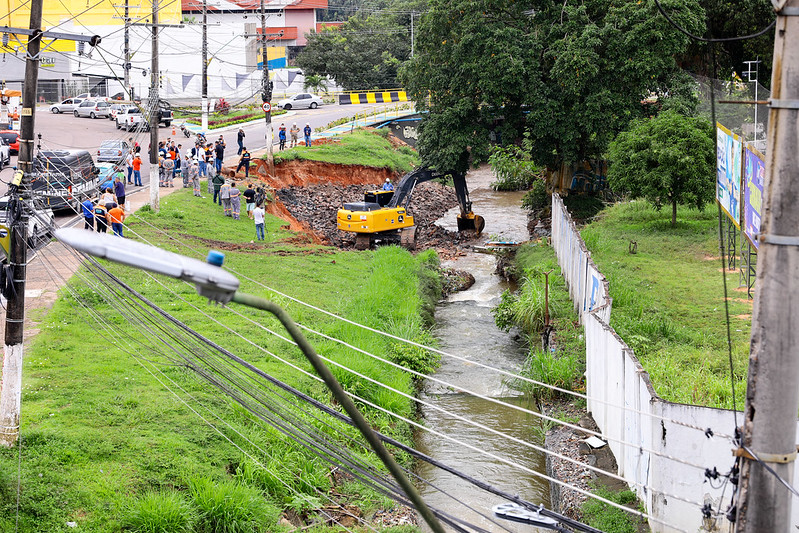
[64, 178]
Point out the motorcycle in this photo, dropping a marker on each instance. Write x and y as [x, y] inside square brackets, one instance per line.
[185, 130]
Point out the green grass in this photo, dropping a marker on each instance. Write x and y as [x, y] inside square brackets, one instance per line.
[608, 518]
[668, 300]
[361, 147]
[100, 433]
[564, 366]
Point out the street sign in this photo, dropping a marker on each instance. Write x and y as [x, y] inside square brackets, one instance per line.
[267, 107]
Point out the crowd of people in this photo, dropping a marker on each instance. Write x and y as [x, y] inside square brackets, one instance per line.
[201, 161]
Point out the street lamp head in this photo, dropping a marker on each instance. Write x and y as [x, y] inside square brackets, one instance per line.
[211, 281]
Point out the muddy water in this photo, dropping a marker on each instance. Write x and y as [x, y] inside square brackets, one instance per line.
[465, 327]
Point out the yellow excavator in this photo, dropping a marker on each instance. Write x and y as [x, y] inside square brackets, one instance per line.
[382, 215]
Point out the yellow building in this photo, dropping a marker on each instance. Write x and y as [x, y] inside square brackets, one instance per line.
[88, 12]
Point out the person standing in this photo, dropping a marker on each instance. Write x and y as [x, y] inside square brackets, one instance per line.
[219, 150]
[240, 139]
[88, 214]
[235, 201]
[137, 170]
[200, 153]
[168, 167]
[119, 191]
[107, 198]
[244, 162]
[281, 135]
[295, 135]
[307, 132]
[224, 197]
[194, 174]
[249, 199]
[258, 216]
[101, 217]
[217, 181]
[178, 170]
[116, 216]
[129, 164]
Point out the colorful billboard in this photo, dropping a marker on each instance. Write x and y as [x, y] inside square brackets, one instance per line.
[754, 174]
[728, 173]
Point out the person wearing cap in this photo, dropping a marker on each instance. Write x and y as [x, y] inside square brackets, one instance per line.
[307, 132]
[388, 186]
[235, 201]
[194, 175]
[295, 135]
[137, 170]
[216, 183]
[116, 216]
[168, 166]
[199, 152]
[281, 135]
[219, 152]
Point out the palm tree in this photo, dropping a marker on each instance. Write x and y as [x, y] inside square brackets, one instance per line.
[315, 83]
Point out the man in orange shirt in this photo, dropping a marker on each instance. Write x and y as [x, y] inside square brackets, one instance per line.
[137, 170]
[116, 216]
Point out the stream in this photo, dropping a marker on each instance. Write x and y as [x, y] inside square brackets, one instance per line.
[465, 327]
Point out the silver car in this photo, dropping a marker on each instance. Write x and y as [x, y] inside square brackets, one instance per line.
[67, 106]
[113, 151]
[300, 101]
[92, 109]
[5, 154]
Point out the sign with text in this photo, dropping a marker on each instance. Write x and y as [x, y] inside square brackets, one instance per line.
[728, 173]
[754, 174]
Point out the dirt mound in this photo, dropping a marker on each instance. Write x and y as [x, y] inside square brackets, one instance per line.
[317, 205]
[305, 173]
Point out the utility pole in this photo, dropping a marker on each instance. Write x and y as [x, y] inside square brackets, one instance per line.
[11, 384]
[126, 67]
[266, 95]
[772, 397]
[205, 68]
[154, 111]
[412, 14]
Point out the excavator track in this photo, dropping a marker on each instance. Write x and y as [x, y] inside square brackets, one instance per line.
[408, 238]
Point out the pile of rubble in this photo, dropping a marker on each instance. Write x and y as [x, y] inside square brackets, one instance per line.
[316, 206]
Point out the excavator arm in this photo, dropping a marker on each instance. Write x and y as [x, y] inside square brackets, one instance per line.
[403, 192]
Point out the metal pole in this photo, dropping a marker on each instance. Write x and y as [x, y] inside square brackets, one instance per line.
[205, 69]
[341, 397]
[154, 108]
[126, 67]
[11, 384]
[412, 13]
[772, 397]
[266, 96]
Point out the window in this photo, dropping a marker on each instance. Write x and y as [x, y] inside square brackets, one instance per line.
[85, 104]
[68, 101]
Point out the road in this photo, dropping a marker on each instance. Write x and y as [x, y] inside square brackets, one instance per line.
[65, 131]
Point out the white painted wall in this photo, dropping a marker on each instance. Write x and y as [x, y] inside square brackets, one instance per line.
[665, 456]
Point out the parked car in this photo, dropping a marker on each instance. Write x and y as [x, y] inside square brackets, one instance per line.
[41, 222]
[92, 109]
[131, 118]
[105, 177]
[64, 178]
[67, 106]
[11, 137]
[113, 151]
[114, 109]
[300, 101]
[5, 154]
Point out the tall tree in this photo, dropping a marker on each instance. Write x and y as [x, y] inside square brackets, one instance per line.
[573, 74]
[668, 160]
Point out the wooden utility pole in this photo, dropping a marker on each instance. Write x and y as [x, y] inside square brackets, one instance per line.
[772, 397]
[11, 384]
[155, 107]
[126, 68]
[266, 95]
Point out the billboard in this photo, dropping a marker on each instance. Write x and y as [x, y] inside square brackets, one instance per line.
[754, 174]
[728, 173]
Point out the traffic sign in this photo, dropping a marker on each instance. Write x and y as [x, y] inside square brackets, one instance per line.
[267, 107]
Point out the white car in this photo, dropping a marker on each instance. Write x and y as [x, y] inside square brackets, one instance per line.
[67, 106]
[300, 101]
[92, 109]
[5, 154]
[130, 119]
[41, 222]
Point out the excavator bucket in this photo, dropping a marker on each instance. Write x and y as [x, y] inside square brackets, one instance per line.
[470, 221]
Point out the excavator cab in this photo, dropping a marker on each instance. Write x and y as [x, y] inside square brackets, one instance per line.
[382, 216]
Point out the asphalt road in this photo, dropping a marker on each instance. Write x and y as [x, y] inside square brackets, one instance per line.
[65, 131]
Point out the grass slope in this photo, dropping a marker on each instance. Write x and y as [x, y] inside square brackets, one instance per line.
[106, 445]
[668, 300]
[361, 147]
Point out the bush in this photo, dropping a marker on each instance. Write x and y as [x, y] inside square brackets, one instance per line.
[514, 169]
[537, 197]
[160, 512]
[229, 507]
[559, 369]
[611, 519]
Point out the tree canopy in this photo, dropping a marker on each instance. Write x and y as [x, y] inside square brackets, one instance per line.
[572, 74]
[668, 160]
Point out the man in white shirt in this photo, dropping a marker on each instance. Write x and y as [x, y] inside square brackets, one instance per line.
[258, 215]
[129, 162]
